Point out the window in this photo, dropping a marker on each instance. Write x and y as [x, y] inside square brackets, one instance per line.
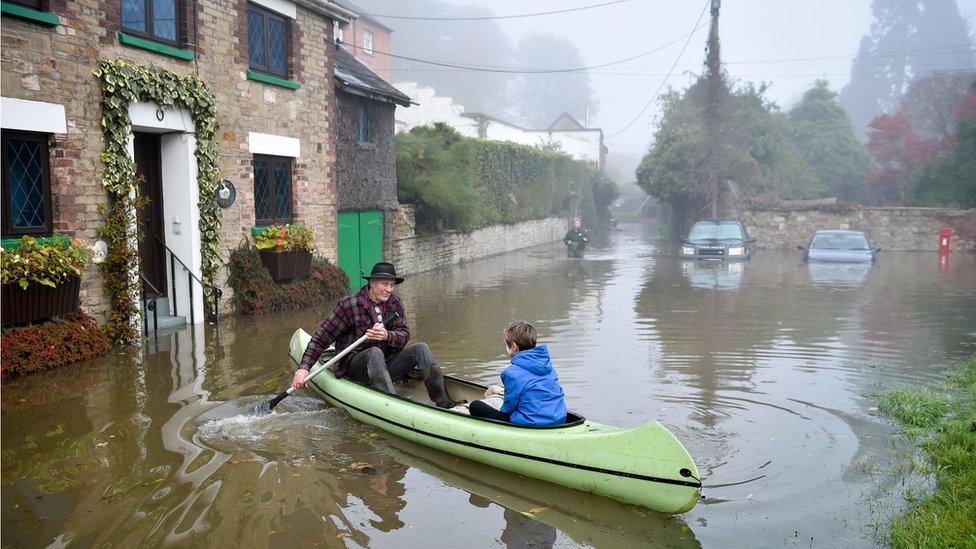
[337, 32]
[26, 185]
[152, 19]
[272, 190]
[267, 41]
[33, 4]
[364, 125]
[368, 42]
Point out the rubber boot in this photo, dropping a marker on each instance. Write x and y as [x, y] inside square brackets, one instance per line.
[436, 390]
[379, 376]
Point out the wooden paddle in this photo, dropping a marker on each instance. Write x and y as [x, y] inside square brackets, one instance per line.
[270, 405]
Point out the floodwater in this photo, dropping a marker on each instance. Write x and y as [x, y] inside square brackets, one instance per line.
[762, 369]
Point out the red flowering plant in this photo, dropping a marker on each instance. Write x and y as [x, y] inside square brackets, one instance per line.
[50, 263]
[284, 238]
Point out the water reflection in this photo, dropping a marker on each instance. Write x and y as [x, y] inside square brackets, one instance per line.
[839, 274]
[713, 275]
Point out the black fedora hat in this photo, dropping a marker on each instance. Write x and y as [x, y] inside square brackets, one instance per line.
[384, 270]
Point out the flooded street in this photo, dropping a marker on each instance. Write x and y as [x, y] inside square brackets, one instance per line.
[762, 370]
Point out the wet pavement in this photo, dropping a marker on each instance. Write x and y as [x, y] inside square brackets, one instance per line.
[762, 369]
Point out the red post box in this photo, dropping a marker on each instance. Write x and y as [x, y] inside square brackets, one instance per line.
[944, 235]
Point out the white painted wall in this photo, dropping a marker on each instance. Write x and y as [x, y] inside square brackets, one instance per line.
[181, 214]
[274, 145]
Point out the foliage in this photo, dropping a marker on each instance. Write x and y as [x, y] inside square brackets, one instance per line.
[897, 150]
[462, 183]
[605, 191]
[932, 102]
[49, 264]
[949, 181]
[256, 292]
[284, 238]
[903, 41]
[121, 85]
[944, 423]
[823, 135]
[51, 345]
[116, 274]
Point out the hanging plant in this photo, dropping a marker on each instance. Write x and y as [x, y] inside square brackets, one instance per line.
[123, 84]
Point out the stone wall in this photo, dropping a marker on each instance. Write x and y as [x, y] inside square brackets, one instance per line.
[414, 254]
[366, 172]
[896, 229]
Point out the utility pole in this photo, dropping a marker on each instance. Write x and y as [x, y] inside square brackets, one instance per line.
[713, 105]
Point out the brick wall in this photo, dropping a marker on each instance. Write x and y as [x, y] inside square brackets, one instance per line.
[54, 65]
[414, 254]
[896, 229]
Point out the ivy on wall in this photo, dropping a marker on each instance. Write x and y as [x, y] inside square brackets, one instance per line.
[123, 84]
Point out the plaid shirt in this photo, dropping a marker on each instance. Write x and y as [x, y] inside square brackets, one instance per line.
[353, 315]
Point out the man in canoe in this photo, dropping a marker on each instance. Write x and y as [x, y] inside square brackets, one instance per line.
[385, 357]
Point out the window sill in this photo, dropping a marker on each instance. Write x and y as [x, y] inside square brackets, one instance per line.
[156, 47]
[273, 80]
[13, 242]
[23, 12]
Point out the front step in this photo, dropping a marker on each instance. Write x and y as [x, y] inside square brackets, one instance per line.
[166, 320]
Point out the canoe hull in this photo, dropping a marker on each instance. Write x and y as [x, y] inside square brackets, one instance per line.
[641, 466]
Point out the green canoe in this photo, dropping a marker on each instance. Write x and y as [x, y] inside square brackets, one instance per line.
[645, 466]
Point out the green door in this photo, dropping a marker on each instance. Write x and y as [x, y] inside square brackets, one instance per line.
[360, 236]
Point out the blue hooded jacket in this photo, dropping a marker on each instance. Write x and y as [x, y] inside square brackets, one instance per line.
[532, 392]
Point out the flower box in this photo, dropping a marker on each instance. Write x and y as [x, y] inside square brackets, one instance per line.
[38, 301]
[288, 265]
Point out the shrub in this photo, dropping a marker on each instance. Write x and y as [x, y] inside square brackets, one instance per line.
[51, 345]
[49, 263]
[284, 238]
[256, 292]
[463, 183]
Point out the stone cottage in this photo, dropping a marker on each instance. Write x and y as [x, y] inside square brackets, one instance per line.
[269, 67]
[365, 164]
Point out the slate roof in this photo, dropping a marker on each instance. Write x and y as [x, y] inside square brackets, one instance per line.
[355, 77]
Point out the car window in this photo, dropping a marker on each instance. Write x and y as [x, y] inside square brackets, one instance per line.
[839, 242]
[711, 230]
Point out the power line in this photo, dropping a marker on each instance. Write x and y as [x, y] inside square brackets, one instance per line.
[673, 65]
[506, 70]
[495, 17]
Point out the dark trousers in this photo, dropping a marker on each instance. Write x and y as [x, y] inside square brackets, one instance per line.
[479, 408]
[369, 367]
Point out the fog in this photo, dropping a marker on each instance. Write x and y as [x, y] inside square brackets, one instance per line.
[786, 44]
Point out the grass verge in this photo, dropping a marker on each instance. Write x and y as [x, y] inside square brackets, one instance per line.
[942, 421]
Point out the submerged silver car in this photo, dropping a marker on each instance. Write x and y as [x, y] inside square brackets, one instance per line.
[839, 246]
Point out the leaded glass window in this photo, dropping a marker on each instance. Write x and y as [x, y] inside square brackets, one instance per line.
[272, 190]
[267, 41]
[154, 19]
[26, 185]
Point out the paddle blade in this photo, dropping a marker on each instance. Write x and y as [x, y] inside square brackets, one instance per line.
[265, 408]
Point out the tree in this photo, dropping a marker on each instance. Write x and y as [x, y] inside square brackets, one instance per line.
[908, 38]
[949, 180]
[897, 150]
[932, 100]
[543, 97]
[823, 135]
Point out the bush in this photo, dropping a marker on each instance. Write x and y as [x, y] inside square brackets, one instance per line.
[51, 345]
[256, 292]
[462, 183]
[49, 263]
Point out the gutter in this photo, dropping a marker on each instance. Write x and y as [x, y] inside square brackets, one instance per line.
[329, 9]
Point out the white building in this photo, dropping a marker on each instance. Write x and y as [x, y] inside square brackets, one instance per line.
[565, 134]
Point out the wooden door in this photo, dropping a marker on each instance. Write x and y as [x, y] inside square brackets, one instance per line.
[152, 255]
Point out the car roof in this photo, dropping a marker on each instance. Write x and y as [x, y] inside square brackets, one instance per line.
[838, 231]
[720, 221]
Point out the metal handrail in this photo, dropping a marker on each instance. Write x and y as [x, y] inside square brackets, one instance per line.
[151, 305]
[172, 269]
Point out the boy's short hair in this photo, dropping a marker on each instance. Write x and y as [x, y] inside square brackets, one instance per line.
[521, 333]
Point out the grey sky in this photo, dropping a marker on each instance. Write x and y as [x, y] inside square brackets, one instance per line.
[762, 40]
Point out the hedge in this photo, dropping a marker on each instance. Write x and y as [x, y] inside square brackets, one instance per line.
[50, 345]
[463, 183]
[256, 292]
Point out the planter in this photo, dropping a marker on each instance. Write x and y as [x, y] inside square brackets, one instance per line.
[287, 265]
[38, 301]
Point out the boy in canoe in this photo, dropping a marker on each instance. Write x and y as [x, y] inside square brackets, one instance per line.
[533, 395]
